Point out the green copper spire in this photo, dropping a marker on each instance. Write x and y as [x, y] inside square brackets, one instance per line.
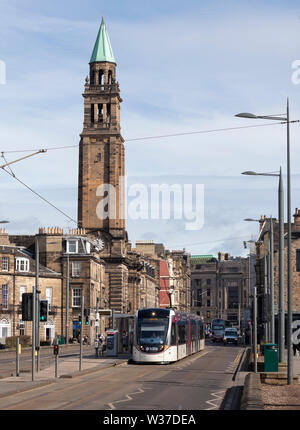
[102, 49]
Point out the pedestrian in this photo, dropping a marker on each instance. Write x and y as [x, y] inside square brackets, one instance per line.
[96, 345]
[296, 349]
[101, 342]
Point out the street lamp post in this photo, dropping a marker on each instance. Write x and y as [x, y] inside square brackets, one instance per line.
[67, 297]
[271, 331]
[270, 271]
[285, 119]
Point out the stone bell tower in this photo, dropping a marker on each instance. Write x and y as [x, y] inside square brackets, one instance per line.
[101, 192]
[101, 186]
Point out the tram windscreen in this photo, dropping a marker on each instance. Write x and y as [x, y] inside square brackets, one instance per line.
[152, 331]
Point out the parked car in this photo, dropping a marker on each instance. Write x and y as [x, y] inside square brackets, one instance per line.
[230, 336]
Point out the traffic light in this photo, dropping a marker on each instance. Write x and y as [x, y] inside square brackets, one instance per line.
[44, 310]
[86, 314]
[79, 319]
[56, 349]
[27, 307]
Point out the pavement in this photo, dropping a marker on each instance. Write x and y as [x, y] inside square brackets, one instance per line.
[66, 368]
[296, 366]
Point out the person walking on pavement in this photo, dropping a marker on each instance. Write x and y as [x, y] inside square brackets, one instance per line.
[101, 342]
[96, 344]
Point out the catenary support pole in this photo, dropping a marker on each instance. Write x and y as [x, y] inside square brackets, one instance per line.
[255, 330]
[81, 332]
[17, 357]
[281, 336]
[272, 281]
[289, 259]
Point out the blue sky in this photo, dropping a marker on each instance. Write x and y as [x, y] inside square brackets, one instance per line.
[181, 67]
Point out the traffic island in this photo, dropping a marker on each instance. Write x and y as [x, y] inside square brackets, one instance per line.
[252, 393]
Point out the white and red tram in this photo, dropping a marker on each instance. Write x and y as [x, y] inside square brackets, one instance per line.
[166, 335]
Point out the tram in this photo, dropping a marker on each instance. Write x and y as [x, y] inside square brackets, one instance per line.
[166, 335]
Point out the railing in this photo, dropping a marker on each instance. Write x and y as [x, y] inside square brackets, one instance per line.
[103, 88]
[18, 309]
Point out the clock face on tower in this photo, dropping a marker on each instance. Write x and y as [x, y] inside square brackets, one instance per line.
[99, 244]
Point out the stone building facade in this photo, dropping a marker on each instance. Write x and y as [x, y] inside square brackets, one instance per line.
[221, 288]
[262, 275]
[204, 295]
[77, 259]
[18, 276]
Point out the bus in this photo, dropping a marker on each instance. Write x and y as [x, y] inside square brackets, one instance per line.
[218, 329]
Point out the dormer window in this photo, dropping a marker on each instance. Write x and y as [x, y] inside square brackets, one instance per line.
[22, 265]
[72, 246]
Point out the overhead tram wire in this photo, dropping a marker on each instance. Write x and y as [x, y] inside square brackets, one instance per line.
[37, 194]
[213, 241]
[167, 135]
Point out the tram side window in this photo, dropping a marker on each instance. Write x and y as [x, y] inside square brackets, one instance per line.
[201, 331]
[181, 333]
[173, 334]
[193, 331]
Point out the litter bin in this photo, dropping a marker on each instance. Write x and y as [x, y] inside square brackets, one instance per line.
[271, 357]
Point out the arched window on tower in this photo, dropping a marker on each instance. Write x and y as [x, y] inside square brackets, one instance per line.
[101, 77]
[100, 113]
[110, 77]
[93, 78]
[108, 113]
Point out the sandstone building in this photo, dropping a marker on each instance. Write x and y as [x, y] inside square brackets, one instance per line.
[221, 288]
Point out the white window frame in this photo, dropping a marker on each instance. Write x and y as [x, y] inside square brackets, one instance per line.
[49, 296]
[23, 289]
[68, 246]
[5, 296]
[22, 264]
[5, 264]
[76, 272]
[76, 297]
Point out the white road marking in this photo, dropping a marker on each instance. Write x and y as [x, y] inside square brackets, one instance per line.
[128, 397]
[216, 399]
